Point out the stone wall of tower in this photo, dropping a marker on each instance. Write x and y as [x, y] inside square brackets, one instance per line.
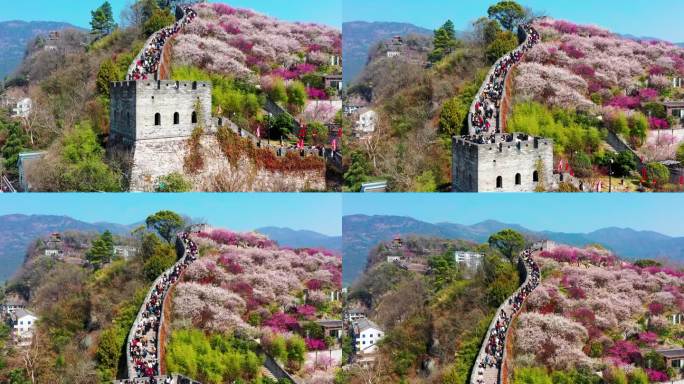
[476, 167]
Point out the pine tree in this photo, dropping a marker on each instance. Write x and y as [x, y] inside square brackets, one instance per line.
[444, 41]
[102, 23]
[14, 145]
[101, 249]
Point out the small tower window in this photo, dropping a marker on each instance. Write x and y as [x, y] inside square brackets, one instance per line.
[157, 119]
[194, 117]
[176, 118]
[194, 85]
[518, 179]
[499, 182]
[535, 176]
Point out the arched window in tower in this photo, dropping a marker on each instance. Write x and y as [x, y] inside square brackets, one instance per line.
[157, 119]
[499, 182]
[194, 117]
[194, 85]
[176, 118]
[535, 176]
[518, 179]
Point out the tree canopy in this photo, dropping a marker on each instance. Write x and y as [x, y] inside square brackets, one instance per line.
[166, 223]
[508, 13]
[444, 41]
[508, 242]
[101, 249]
[102, 22]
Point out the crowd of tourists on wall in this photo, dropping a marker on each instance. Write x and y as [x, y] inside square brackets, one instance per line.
[148, 63]
[143, 345]
[485, 115]
[496, 343]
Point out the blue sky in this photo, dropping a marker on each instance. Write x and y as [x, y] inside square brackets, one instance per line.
[554, 212]
[77, 12]
[653, 18]
[236, 211]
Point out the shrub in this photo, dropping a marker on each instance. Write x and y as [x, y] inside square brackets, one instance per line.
[173, 182]
[658, 174]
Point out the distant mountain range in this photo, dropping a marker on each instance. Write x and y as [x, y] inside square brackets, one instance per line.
[14, 37]
[637, 38]
[361, 233]
[287, 237]
[359, 37]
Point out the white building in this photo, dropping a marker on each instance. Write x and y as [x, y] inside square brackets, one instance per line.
[366, 122]
[23, 108]
[12, 303]
[124, 251]
[24, 323]
[678, 82]
[472, 260]
[392, 259]
[351, 315]
[366, 335]
[393, 54]
[677, 318]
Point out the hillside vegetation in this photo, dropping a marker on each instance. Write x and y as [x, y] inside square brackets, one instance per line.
[434, 323]
[594, 313]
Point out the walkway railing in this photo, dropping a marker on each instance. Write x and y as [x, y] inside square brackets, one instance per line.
[488, 369]
[524, 32]
[6, 185]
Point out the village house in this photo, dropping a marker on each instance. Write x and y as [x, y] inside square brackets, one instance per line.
[54, 246]
[12, 303]
[124, 251]
[392, 259]
[331, 328]
[674, 358]
[472, 260]
[23, 108]
[366, 335]
[353, 314]
[366, 122]
[676, 110]
[676, 318]
[333, 81]
[23, 322]
[678, 82]
[395, 46]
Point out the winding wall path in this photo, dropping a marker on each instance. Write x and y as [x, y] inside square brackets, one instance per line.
[489, 369]
[498, 75]
[189, 255]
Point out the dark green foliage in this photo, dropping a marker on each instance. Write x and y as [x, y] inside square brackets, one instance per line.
[166, 223]
[358, 171]
[508, 13]
[158, 19]
[444, 270]
[444, 42]
[508, 242]
[504, 42]
[623, 164]
[15, 143]
[647, 263]
[280, 126]
[658, 174]
[162, 258]
[102, 23]
[101, 249]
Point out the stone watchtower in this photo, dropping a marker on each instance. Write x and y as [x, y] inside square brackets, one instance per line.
[157, 109]
[151, 120]
[503, 163]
